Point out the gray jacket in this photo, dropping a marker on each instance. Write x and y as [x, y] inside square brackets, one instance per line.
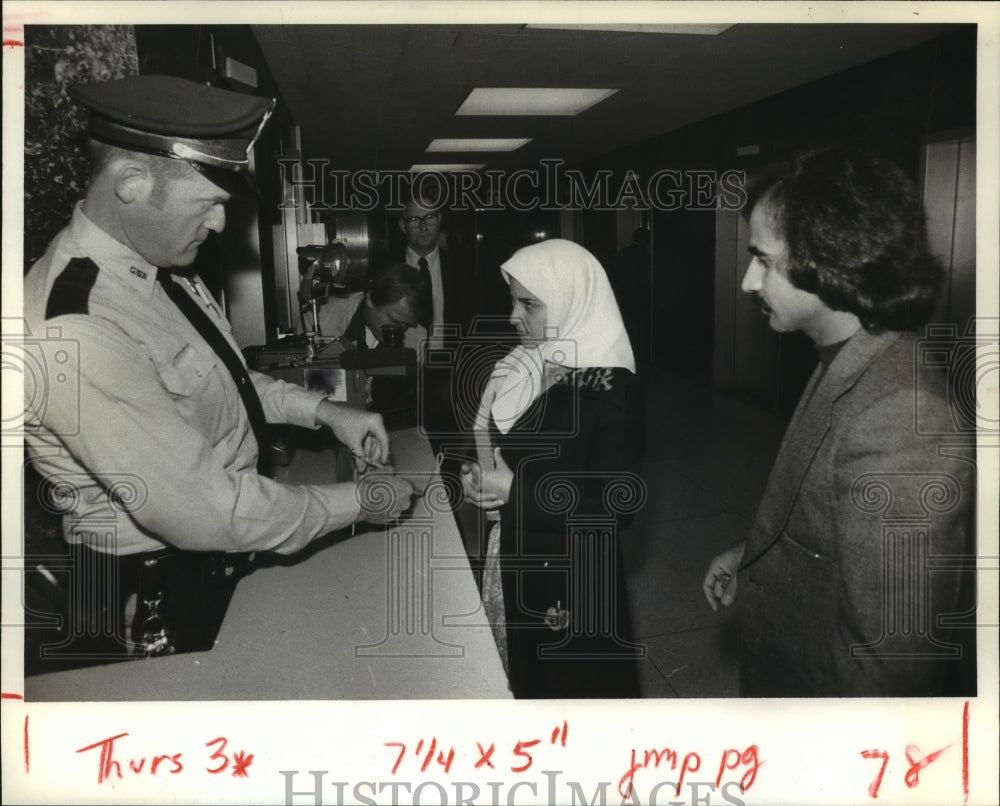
[844, 577]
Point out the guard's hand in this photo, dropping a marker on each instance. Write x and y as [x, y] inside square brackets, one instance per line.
[383, 497]
[719, 584]
[361, 431]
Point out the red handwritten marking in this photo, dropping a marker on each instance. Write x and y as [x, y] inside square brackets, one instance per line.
[873, 787]
[965, 753]
[108, 764]
[241, 761]
[912, 776]
[10, 695]
[917, 763]
[685, 769]
[157, 760]
[402, 752]
[446, 761]
[730, 759]
[13, 43]
[484, 756]
[430, 753]
[519, 751]
[556, 734]
[748, 756]
[105, 767]
[27, 753]
[218, 754]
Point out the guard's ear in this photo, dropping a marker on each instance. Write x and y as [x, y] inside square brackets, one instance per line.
[402, 226]
[133, 181]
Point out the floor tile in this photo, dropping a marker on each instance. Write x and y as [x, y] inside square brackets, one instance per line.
[708, 457]
[652, 682]
[698, 663]
[665, 575]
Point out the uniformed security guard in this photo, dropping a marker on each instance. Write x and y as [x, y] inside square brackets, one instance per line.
[149, 425]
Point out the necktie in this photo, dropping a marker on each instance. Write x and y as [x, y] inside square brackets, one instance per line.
[213, 336]
[426, 272]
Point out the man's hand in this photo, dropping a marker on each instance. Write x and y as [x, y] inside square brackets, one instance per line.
[361, 431]
[487, 489]
[383, 497]
[719, 584]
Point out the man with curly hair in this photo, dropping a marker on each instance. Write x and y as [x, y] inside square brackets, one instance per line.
[835, 593]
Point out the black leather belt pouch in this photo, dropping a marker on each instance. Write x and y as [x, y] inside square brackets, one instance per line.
[182, 599]
[76, 606]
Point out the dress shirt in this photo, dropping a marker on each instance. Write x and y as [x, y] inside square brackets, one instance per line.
[336, 313]
[137, 403]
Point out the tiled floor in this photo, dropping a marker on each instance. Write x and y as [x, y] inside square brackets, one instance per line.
[707, 461]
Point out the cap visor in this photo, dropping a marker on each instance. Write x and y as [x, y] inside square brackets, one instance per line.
[235, 183]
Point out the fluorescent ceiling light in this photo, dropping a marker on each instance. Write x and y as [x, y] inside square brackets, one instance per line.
[477, 143]
[640, 28]
[444, 168]
[531, 100]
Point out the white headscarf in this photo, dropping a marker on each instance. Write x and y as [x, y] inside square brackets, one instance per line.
[584, 327]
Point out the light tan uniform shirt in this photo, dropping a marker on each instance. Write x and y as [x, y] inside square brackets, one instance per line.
[138, 423]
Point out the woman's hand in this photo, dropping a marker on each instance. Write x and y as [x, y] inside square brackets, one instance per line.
[487, 489]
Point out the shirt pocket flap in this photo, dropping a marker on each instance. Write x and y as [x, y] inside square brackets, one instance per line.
[186, 372]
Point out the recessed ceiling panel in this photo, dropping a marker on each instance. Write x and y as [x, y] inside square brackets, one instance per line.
[531, 100]
[477, 143]
[444, 168]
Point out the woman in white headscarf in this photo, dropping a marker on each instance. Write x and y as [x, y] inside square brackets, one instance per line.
[561, 442]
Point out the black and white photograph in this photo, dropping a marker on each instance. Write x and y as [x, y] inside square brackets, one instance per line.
[373, 369]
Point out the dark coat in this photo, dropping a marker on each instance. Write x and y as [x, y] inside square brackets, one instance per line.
[576, 454]
[460, 297]
[859, 501]
[441, 385]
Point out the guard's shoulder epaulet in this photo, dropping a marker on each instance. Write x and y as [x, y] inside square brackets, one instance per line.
[71, 291]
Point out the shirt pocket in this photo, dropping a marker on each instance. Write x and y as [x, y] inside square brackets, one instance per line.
[187, 372]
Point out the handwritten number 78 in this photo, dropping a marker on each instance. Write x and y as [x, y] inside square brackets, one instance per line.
[916, 762]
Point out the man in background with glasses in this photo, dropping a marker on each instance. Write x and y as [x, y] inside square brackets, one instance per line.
[451, 284]
[455, 303]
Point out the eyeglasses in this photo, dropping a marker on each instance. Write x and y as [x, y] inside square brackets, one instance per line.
[413, 220]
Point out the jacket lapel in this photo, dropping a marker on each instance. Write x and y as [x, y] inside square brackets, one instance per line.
[806, 431]
[448, 288]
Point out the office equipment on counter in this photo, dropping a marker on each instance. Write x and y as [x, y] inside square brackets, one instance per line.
[390, 378]
[383, 379]
[324, 270]
[297, 361]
